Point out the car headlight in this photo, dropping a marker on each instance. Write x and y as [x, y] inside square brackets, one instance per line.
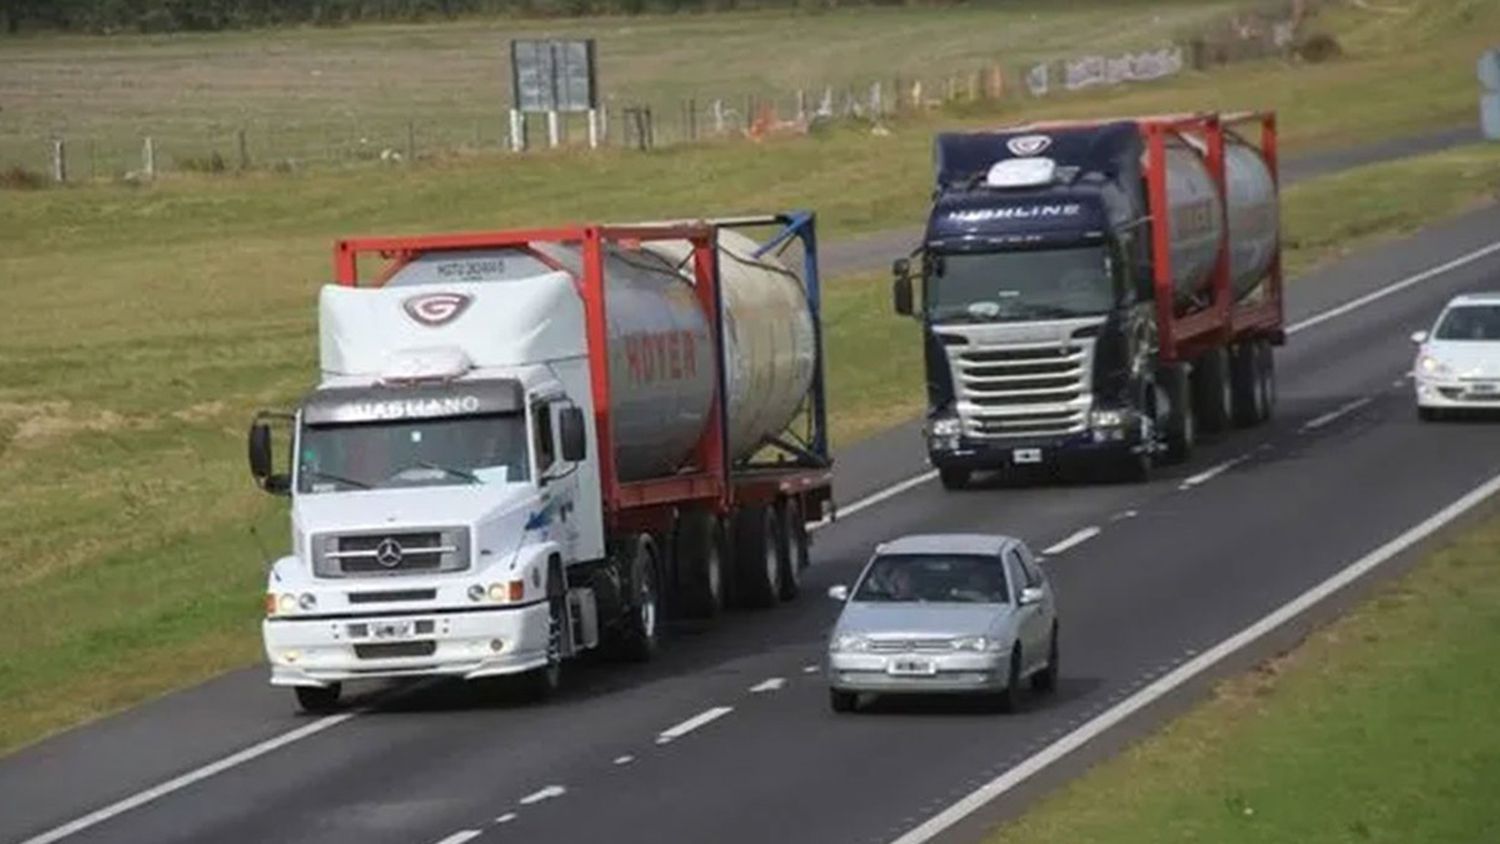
[1107, 418]
[849, 642]
[947, 427]
[976, 643]
[1429, 365]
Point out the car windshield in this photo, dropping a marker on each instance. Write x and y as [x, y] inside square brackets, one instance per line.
[1470, 322]
[1019, 285]
[419, 452]
[934, 578]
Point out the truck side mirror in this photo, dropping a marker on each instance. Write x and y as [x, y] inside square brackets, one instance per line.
[261, 467]
[572, 433]
[901, 288]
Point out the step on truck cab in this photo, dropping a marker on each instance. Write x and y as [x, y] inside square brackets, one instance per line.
[526, 445]
[1095, 293]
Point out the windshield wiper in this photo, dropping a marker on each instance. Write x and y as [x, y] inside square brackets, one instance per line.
[457, 473]
[338, 478]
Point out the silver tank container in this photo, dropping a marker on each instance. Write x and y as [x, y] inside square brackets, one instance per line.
[1197, 219]
[661, 355]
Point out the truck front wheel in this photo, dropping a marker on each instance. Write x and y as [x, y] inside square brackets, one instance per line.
[319, 700]
[954, 479]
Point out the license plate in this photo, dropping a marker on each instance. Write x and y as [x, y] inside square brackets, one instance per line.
[1026, 455]
[1483, 388]
[913, 667]
[390, 629]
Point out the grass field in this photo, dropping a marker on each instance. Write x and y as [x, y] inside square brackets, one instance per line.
[304, 93]
[142, 326]
[1379, 728]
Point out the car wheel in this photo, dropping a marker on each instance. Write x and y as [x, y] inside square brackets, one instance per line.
[1046, 679]
[841, 701]
[1010, 699]
[954, 479]
[319, 700]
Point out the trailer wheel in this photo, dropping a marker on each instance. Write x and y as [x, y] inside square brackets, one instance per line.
[1248, 378]
[757, 556]
[639, 629]
[793, 551]
[1267, 355]
[318, 700]
[1212, 391]
[700, 556]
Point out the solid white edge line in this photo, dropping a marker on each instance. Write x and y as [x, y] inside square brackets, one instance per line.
[875, 498]
[1188, 670]
[189, 778]
[1334, 415]
[147, 796]
[1394, 287]
[1078, 538]
[461, 836]
[693, 723]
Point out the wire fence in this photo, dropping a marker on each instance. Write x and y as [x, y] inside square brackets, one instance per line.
[642, 124]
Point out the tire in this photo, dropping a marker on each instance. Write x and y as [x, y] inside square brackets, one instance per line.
[319, 700]
[793, 551]
[1182, 421]
[542, 683]
[640, 629]
[1268, 377]
[1010, 699]
[1045, 681]
[1247, 383]
[1213, 398]
[757, 557]
[954, 479]
[701, 564]
[840, 701]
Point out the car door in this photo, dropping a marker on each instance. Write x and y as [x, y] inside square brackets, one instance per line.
[1031, 623]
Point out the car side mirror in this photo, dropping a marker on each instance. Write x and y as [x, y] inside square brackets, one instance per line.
[839, 593]
[571, 430]
[261, 465]
[1419, 337]
[1031, 595]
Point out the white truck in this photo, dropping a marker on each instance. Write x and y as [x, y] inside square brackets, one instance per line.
[529, 444]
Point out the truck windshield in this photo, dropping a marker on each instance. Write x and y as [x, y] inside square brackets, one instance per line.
[417, 452]
[1019, 285]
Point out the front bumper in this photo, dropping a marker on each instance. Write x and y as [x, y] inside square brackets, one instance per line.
[956, 673]
[1081, 448]
[468, 644]
[1457, 395]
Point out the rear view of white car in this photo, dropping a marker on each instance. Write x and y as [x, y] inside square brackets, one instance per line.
[1458, 361]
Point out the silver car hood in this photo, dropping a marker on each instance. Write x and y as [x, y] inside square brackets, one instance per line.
[881, 620]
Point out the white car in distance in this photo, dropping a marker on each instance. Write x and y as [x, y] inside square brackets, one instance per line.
[1458, 361]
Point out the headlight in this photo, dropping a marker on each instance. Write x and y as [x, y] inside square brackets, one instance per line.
[1107, 418]
[286, 604]
[848, 642]
[976, 643]
[949, 427]
[1429, 365]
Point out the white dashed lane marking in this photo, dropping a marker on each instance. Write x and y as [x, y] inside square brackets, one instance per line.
[1073, 541]
[693, 723]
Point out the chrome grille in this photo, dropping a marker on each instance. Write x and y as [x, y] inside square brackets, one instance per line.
[927, 645]
[388, 553]
[1023, 390]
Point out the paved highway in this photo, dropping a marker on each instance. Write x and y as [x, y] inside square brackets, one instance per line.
[728, 738]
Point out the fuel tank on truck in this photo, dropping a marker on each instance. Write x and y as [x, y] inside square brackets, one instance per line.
[660, 352]
[1108, 161]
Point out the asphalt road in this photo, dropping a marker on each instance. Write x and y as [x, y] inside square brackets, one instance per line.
[684, 750]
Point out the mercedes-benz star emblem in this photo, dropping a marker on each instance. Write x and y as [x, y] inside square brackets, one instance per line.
[388, 553]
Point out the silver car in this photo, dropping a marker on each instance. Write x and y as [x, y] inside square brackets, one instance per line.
[945, 613]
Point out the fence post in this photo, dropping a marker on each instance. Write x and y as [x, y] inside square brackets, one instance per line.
[411, 142]
[916, 93]
[59, 161]
[801, 106]
[244, 148]
[875, 104]
[148, 157]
